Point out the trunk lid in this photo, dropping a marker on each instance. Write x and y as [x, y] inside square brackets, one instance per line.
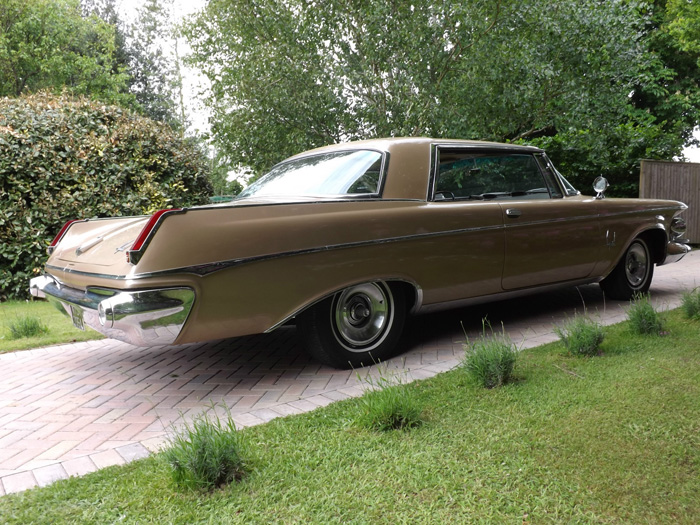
[98, 242]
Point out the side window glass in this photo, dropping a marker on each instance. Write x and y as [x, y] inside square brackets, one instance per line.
[489, 176]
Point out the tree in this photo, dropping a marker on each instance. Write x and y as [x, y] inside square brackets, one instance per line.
[106, 10]
[47, 44]
[684, 24]
[153, 70]
[295, 74]
[67, 158]
[142, 51]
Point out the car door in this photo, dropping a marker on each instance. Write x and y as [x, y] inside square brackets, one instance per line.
[467, 261]
[549, 238]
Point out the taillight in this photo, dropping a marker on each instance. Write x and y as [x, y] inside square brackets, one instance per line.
[134, 253]
[60, 235]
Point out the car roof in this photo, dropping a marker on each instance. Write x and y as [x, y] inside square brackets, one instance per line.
[387, 144]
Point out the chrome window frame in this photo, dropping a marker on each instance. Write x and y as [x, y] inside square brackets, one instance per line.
[497, 149]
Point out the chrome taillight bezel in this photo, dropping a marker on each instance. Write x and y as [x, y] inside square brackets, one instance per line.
[134, 254]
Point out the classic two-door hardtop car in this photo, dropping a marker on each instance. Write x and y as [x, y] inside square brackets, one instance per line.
[350, 239]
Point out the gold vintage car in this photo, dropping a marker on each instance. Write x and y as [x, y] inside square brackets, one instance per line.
[349, 240]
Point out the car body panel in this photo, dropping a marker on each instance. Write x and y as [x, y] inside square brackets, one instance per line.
[569, 226]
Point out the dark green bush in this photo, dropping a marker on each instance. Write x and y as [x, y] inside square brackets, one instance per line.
[65, 158]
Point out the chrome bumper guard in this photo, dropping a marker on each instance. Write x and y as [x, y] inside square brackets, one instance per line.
[675, 251]
[142, 318]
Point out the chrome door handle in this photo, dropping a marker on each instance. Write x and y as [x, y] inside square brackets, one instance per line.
[513, 213]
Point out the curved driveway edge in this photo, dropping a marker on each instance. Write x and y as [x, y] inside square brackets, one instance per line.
[71, 409]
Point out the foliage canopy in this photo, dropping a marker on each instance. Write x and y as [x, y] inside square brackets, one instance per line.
[48, 44]
[296, 74]
[65, 158]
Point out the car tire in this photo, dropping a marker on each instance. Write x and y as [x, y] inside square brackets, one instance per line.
[633, 273]
[358, 326]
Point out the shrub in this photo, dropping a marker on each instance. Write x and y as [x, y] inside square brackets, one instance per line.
[581, 336]
[643, 317]
[690, 304]
[65, 158]
[26, 326]
[490, 361]
[206, 453]
[389, 404]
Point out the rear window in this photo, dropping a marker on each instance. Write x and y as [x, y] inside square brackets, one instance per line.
[327, 174]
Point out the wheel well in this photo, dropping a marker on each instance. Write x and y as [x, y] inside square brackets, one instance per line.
[656, 240]
[409, 291]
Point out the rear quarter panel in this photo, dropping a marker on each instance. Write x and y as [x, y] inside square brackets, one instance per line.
[253, 267]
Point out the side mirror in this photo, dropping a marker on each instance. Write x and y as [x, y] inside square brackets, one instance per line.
[599, 186]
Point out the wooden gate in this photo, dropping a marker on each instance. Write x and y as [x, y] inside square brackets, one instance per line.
[679, 181]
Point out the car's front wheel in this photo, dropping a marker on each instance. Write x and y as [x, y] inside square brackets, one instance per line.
[633, 273]
[358, 326]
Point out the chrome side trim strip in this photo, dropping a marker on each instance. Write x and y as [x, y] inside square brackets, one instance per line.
[510, 225]
[371, 197]
[648, 210]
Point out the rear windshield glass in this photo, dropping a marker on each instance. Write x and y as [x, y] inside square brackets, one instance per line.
[326, 174]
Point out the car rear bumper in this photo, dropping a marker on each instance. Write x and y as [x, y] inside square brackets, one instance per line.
[142, 317]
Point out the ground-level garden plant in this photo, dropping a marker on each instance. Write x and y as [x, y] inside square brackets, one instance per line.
[614, 439]
[26, 326]
[207, 452]
[644, 318]
[388, 403]
[489, 360]
[581, 336]
[58, 328]
[690, 304]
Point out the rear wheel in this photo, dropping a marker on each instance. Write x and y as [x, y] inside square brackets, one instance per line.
[633, 273]
[358, 326]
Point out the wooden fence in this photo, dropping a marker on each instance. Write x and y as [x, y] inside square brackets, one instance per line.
[678, 181]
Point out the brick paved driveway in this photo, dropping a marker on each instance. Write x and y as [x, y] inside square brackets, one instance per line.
[71, 409]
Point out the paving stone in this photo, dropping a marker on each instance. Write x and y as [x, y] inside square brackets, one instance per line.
[133, 451]
[46, 475]
[18, 482]
[79, 466]
[107, 458]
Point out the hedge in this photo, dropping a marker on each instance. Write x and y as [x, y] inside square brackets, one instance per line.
[65, 158]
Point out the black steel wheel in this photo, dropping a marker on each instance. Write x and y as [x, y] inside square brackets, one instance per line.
[633, 273]
[358, 326]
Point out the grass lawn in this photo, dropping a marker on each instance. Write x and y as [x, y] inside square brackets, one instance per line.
[608, 439]
[60, 328]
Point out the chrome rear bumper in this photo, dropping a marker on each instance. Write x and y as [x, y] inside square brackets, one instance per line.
[142, 318]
